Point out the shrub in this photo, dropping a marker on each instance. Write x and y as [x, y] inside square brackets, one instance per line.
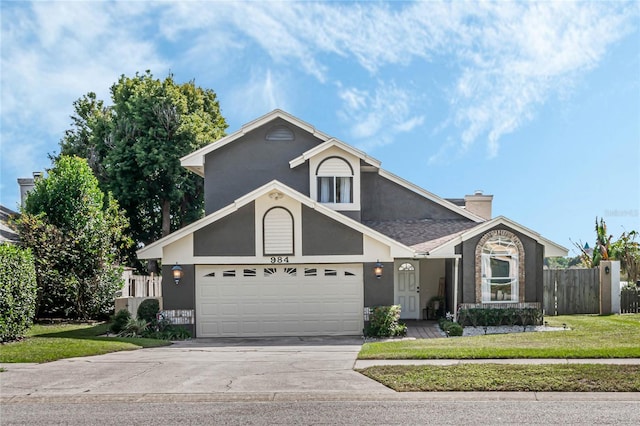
[450, 327]
[148, 310]
[134, 328]
[18, 291]
[384, 322]
[120, 320]
[486, 317]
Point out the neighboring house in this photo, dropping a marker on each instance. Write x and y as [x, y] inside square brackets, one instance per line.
[296, 223]
[7, 234]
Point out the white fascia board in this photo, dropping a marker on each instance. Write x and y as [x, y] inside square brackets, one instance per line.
[551, 249]
[438, 200]
[195, 160]
[154, 250]
[354, 224]
[329, 144]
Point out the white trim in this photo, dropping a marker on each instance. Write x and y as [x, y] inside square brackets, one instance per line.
[195, 160]
[155, 250]
[447, 249]
[333, 142]
[430, 196]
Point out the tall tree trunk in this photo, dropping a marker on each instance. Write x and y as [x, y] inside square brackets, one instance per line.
[166, 217]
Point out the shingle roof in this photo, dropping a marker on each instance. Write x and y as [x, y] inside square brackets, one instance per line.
[422, 235]
[6, 233]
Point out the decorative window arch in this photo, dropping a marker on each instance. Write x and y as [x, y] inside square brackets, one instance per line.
[277, 232]
[334, 177]
[500, 267]
[406, 267]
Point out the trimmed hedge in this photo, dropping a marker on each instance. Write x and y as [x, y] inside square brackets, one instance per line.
[450, 328]
[485, 317]
[18, 291]
[148, 310]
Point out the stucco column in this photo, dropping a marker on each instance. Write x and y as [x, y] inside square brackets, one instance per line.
[609, 287]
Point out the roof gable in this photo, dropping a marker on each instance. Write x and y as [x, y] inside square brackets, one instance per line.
[195, 160]
[154, 250]
[333, 142]
[447, 249]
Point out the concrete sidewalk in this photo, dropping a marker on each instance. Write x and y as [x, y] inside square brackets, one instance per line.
[285, 369]
[364, 363]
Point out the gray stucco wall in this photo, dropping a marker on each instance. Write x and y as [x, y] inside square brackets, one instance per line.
[533, 267]
[322, 235]
[383, 199]
[250, 162]
[181, 296]
[378, 291]
[233, 235]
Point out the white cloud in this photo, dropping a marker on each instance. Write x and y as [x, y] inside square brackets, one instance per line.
[52, 54]
[263, 92]
[507, 58]
[376, 117]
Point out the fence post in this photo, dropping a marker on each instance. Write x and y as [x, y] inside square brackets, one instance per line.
[609, 287]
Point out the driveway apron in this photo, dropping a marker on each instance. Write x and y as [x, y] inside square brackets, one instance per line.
[303, 365]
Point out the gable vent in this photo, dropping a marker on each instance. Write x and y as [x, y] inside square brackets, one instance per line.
[278, 231]
[280, 133]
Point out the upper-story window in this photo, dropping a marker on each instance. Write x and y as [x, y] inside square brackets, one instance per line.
[335, 181]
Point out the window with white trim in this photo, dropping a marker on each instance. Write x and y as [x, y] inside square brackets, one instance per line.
[335, 181]
[277, 232]
[500, 270]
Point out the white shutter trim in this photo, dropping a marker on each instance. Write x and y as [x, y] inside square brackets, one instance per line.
[278, 231]
[334, 167]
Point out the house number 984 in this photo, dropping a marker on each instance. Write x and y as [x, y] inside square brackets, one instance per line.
[279, 259]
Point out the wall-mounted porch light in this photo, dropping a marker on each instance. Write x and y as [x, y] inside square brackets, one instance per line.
[377, 269]
[176, 270]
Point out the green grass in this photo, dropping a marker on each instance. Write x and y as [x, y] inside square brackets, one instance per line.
[45, 343]
[496, 377]
[591, 336]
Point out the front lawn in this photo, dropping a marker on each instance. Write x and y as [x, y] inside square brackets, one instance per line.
[514, 378]
[590, 336]
[45, 343]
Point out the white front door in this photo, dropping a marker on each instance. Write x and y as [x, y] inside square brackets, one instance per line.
[407, 289]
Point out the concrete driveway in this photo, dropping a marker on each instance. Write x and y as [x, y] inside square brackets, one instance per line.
[275, 365]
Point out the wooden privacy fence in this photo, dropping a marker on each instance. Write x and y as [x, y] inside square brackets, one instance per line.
[630, 300]
[571, 291]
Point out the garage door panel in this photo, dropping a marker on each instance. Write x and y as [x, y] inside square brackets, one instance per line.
[279, 300]
[229, 309]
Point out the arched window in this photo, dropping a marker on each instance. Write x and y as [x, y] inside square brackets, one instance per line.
[335, 181]
[277, 232]
[500, 269]
[406, 267]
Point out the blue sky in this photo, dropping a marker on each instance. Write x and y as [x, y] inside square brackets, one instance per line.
[537, 103]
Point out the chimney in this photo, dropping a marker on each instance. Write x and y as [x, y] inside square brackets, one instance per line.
[479, 204]
[26, 185]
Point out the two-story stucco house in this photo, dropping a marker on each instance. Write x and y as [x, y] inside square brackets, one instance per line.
[303, 231]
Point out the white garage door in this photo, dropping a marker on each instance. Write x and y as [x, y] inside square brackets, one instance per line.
[279, 300]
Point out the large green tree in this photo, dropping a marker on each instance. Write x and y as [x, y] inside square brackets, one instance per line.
[75, 233]
[134, 147]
